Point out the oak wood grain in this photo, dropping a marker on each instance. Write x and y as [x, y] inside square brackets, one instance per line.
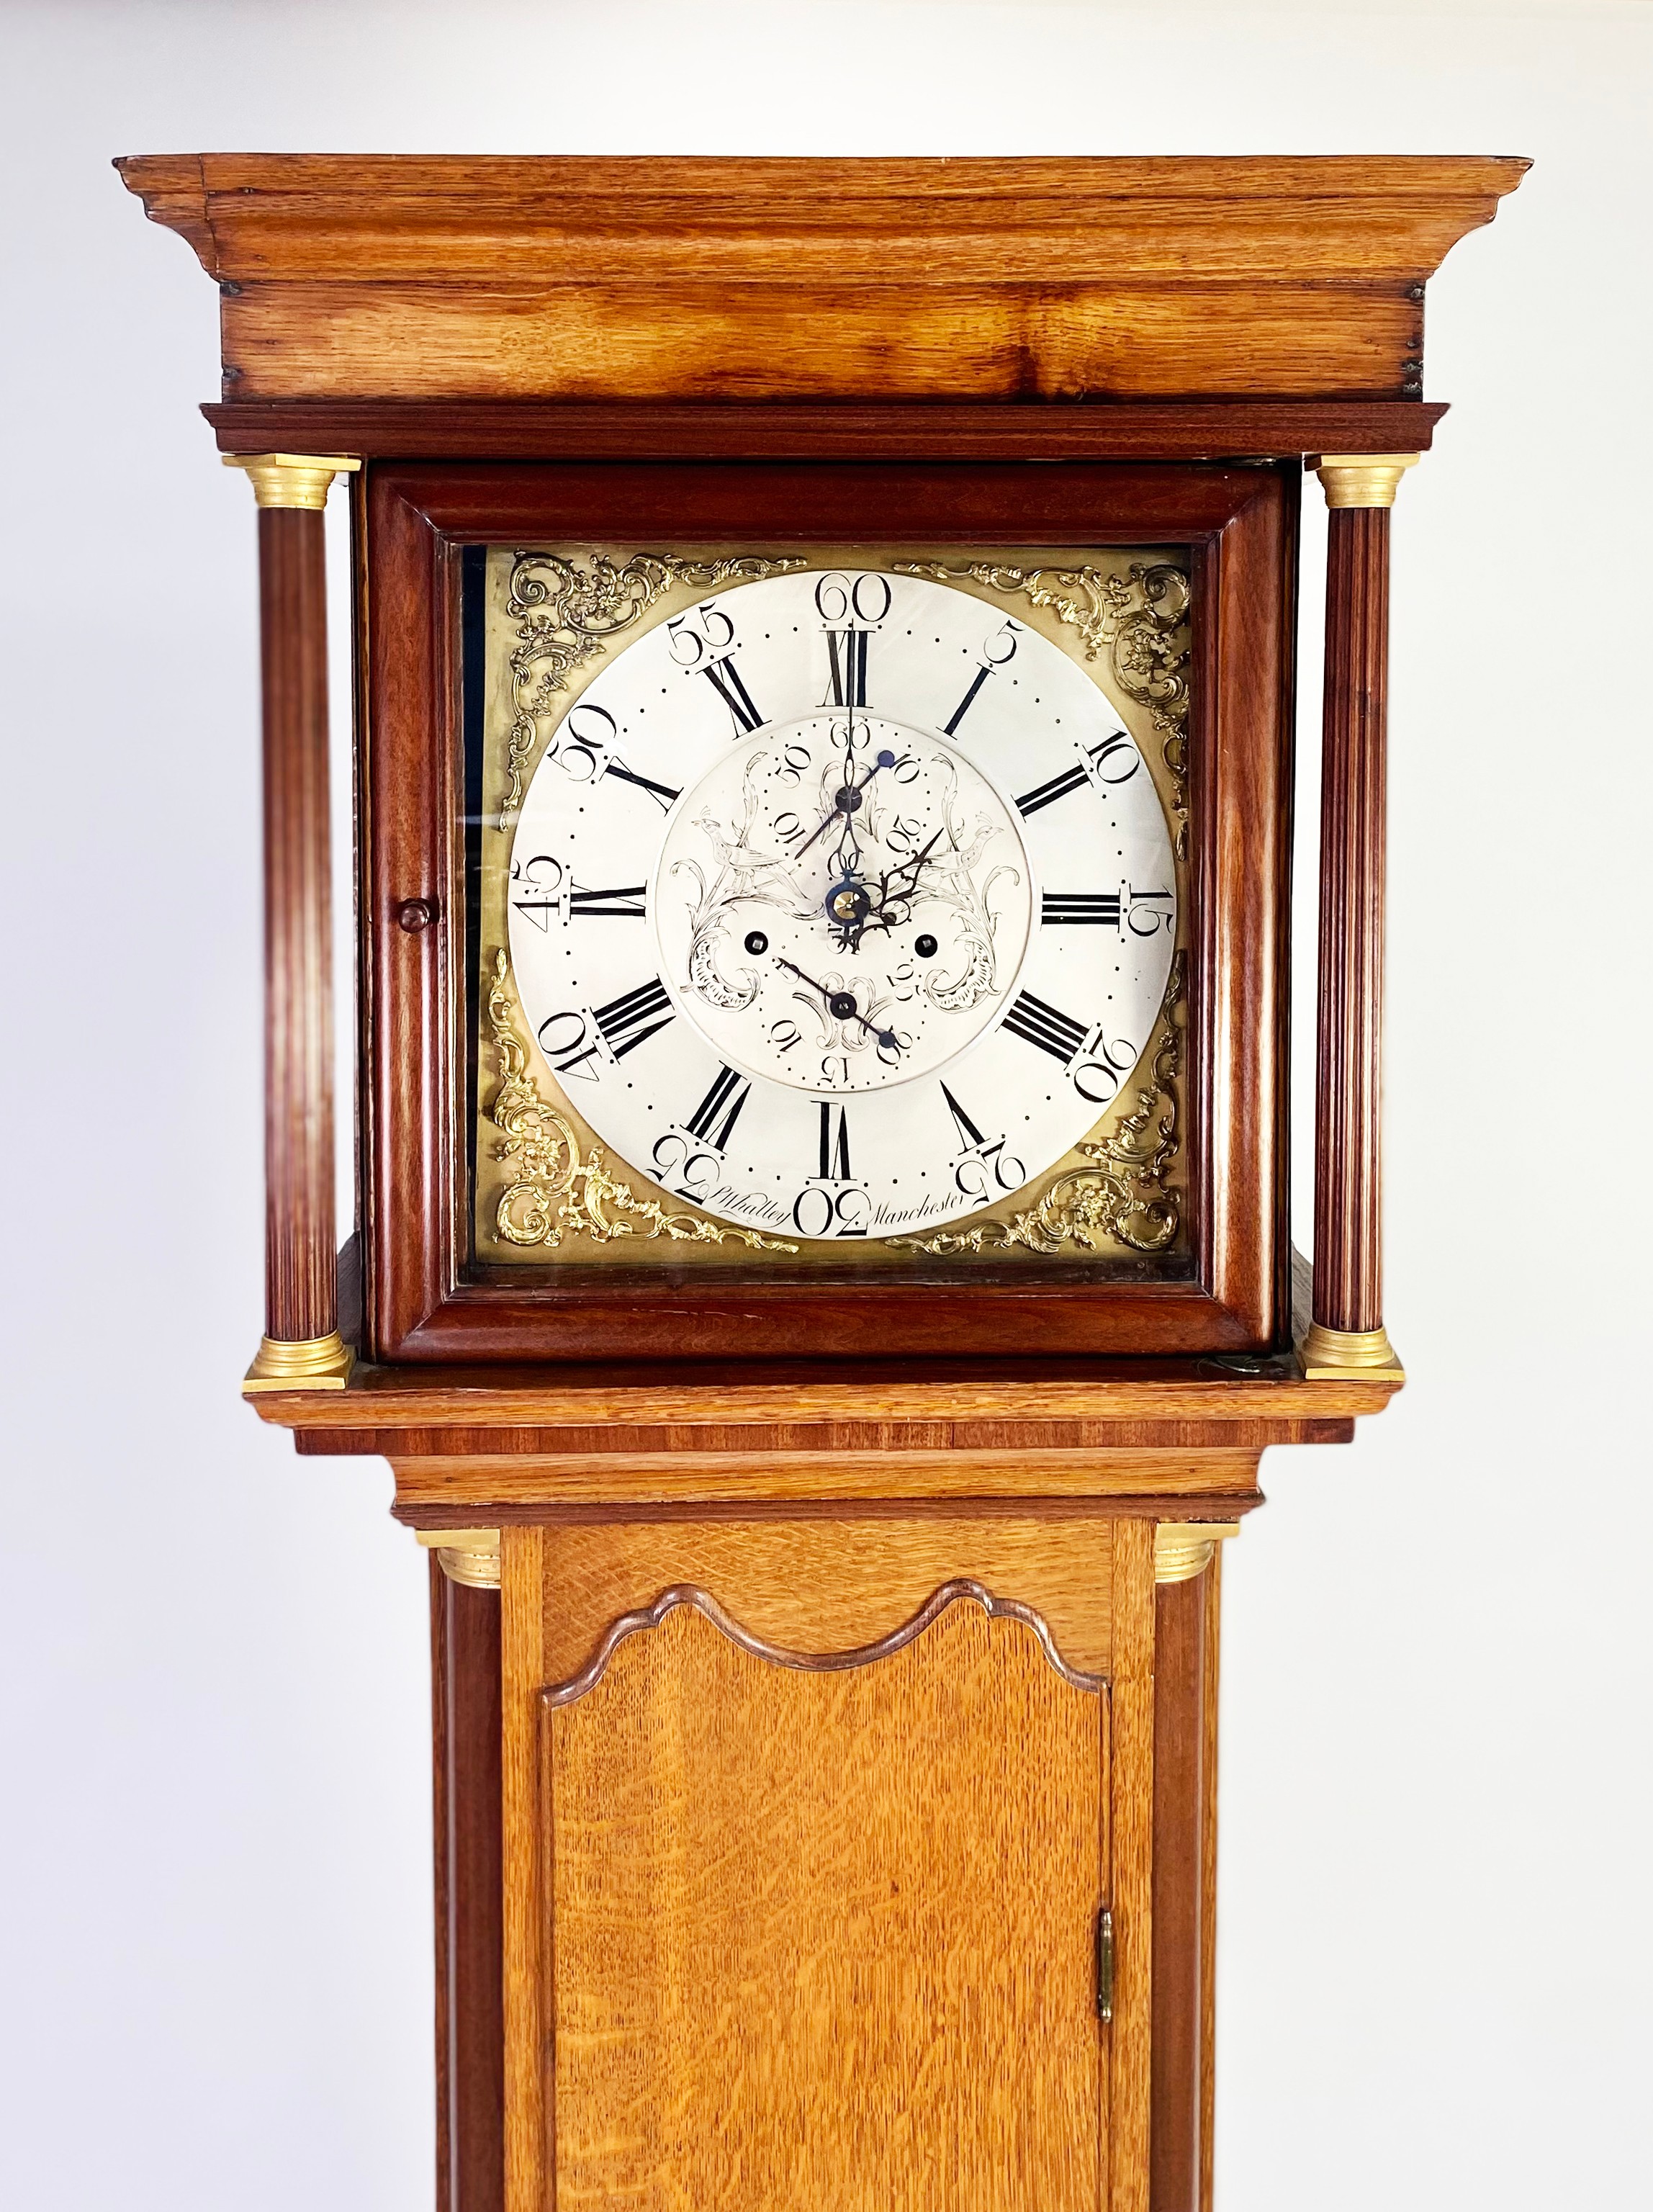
[825, 1586]
[481, 1489]
[1130, 2083]
[403, 276]
[828, 1938]
[1348, 1289]
[936, 429]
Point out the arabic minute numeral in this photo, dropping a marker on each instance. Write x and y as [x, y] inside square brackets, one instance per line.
[579, 747]
[1106, 751]
[998, 649]
[685, 1166]
[631, 1019]
[541, 878]
[980, 1165]
[1146, 913]
[565, 1039]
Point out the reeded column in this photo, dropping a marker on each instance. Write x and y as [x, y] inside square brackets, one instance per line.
[1347, 1334]
[301, 1348]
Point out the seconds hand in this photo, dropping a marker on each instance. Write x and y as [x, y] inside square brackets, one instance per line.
[840, 1005]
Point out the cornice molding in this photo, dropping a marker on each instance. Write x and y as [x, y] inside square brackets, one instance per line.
[415, 276]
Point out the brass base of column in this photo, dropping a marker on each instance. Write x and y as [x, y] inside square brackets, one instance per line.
[1332, 1355]
[470, 1556]
[314, 1363]
[1184, 1549]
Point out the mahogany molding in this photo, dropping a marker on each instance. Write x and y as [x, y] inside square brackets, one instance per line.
[989, 430]
[412, 277]
[1238, 524]
[505, 1400]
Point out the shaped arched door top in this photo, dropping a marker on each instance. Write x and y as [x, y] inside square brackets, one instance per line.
[960, 1591]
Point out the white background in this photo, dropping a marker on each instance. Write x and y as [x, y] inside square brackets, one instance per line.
[1435, 1956]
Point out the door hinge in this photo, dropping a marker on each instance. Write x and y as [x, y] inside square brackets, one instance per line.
[1104, 1965]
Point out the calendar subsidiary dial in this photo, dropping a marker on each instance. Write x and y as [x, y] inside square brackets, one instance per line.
[841, 904]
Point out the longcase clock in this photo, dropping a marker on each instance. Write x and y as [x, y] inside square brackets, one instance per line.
[823, 1273]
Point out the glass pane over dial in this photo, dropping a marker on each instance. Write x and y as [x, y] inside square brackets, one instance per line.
[842, 904]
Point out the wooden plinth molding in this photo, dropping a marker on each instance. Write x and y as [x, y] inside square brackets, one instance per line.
[470, 1556]
[1347, 1331]
[302, 1349]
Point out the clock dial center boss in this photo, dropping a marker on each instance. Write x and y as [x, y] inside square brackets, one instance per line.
[841, 904]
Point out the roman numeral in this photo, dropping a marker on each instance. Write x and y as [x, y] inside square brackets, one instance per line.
[627, 901]
[715, 1116]
[662, 793]
[846, 656]
[1054, 1032]
[1047, 794]
[725, 679]
[835, 1144]
[965, 703]
[969, 1134]
[630, 1021]
[1100, 907]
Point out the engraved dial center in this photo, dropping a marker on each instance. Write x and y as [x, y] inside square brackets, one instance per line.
[883, 878]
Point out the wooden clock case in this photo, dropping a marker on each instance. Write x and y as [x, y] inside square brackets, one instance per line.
[1238, 527]
[825, 1745]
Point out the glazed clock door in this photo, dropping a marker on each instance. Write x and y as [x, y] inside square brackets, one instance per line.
[803, 898]
[819, 1920]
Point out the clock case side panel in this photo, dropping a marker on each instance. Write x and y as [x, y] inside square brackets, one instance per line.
[1238, 524]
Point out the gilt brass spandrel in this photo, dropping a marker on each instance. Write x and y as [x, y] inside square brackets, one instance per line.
[554, 617]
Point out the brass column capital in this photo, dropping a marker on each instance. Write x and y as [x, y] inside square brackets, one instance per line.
[1184, 1549]
[470, 1556]
[291, 479]
[1363, 479]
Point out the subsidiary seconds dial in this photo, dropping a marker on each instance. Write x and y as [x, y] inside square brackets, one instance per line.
[841, 905]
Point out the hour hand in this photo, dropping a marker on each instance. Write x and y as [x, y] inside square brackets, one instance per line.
[842, 1007]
